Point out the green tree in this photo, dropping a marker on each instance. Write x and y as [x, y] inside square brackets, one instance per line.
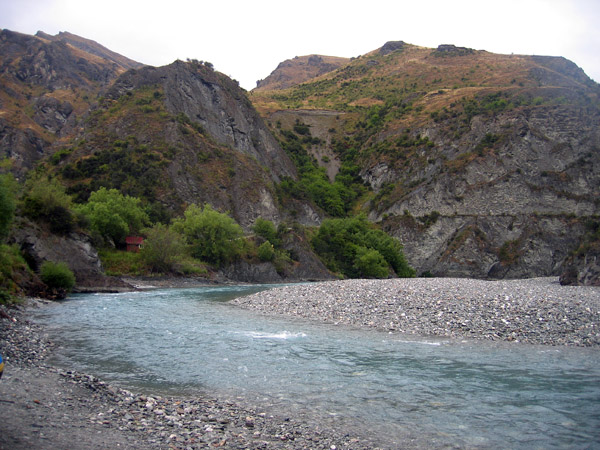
[7, 206]
[162, 249]
[213, 237]
[354, 248]
[114, 215]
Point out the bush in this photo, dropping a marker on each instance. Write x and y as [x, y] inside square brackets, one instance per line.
[162, 249]
[119, 263]
[12, 270]
[266, 252]
[45, 200]
[7, 206]
[57, 275]
[266, 230]
[370, 263]
[114, 215]
[213, 237]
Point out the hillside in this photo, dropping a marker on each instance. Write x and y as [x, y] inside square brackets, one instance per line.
[177, 135]
[46, 86]
[170, 137]
[483, 165]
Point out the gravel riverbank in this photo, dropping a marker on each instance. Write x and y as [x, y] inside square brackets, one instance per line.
[44, 407]
[533, 311]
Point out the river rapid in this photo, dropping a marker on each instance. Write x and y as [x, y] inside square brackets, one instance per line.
[453, 392]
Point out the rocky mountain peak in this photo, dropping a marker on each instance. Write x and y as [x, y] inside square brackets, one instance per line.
[391, 46]
[91, 47]
[299, 69]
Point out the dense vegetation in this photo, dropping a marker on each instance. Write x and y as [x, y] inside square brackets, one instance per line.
[355, 248]
[336, 198]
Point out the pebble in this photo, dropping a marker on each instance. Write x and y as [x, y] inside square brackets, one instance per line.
[533, 311]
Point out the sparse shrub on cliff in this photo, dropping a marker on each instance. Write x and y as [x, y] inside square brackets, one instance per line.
[57, 275]
[266, 252]
[266, 230]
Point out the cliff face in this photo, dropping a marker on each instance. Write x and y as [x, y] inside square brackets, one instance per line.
[190, 136]
[507, 208]
[483, 165]
[214, 102]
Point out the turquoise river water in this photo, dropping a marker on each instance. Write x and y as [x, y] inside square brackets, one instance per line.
[458, 393]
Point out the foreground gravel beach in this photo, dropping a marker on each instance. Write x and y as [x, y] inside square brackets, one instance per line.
[533, 311]
[44, 407]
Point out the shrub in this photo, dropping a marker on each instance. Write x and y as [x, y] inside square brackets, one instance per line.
[266, 230]
[12, 270]
[57, 275]
[119, 263]
[7, 206]
[114, 215]
[162, 248]
[45, 200]
[266, 252]
[354, 248]
[370, 263]
[213, 237]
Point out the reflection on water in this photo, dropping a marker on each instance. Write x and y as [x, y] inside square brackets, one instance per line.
[465, 392]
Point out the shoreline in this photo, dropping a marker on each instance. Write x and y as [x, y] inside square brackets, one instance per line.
[44, 406]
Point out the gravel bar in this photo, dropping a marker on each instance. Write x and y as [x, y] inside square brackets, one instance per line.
[532, 311]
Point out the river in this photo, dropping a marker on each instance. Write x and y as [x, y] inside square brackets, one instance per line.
[456, 392]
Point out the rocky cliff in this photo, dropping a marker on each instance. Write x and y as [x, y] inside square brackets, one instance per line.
[181, 134]
[483, 165]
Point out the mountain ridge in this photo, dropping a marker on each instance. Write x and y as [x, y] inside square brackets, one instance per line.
[483, 165]
[91, 47]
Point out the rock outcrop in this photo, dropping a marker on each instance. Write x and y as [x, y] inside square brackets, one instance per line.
[509, 212]
[582, 269]
[295, 71]
[46, 86]
[75, 249]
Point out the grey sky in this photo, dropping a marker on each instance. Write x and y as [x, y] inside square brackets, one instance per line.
[247, 39]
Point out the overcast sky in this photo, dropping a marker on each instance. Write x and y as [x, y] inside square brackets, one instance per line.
[246, 39]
